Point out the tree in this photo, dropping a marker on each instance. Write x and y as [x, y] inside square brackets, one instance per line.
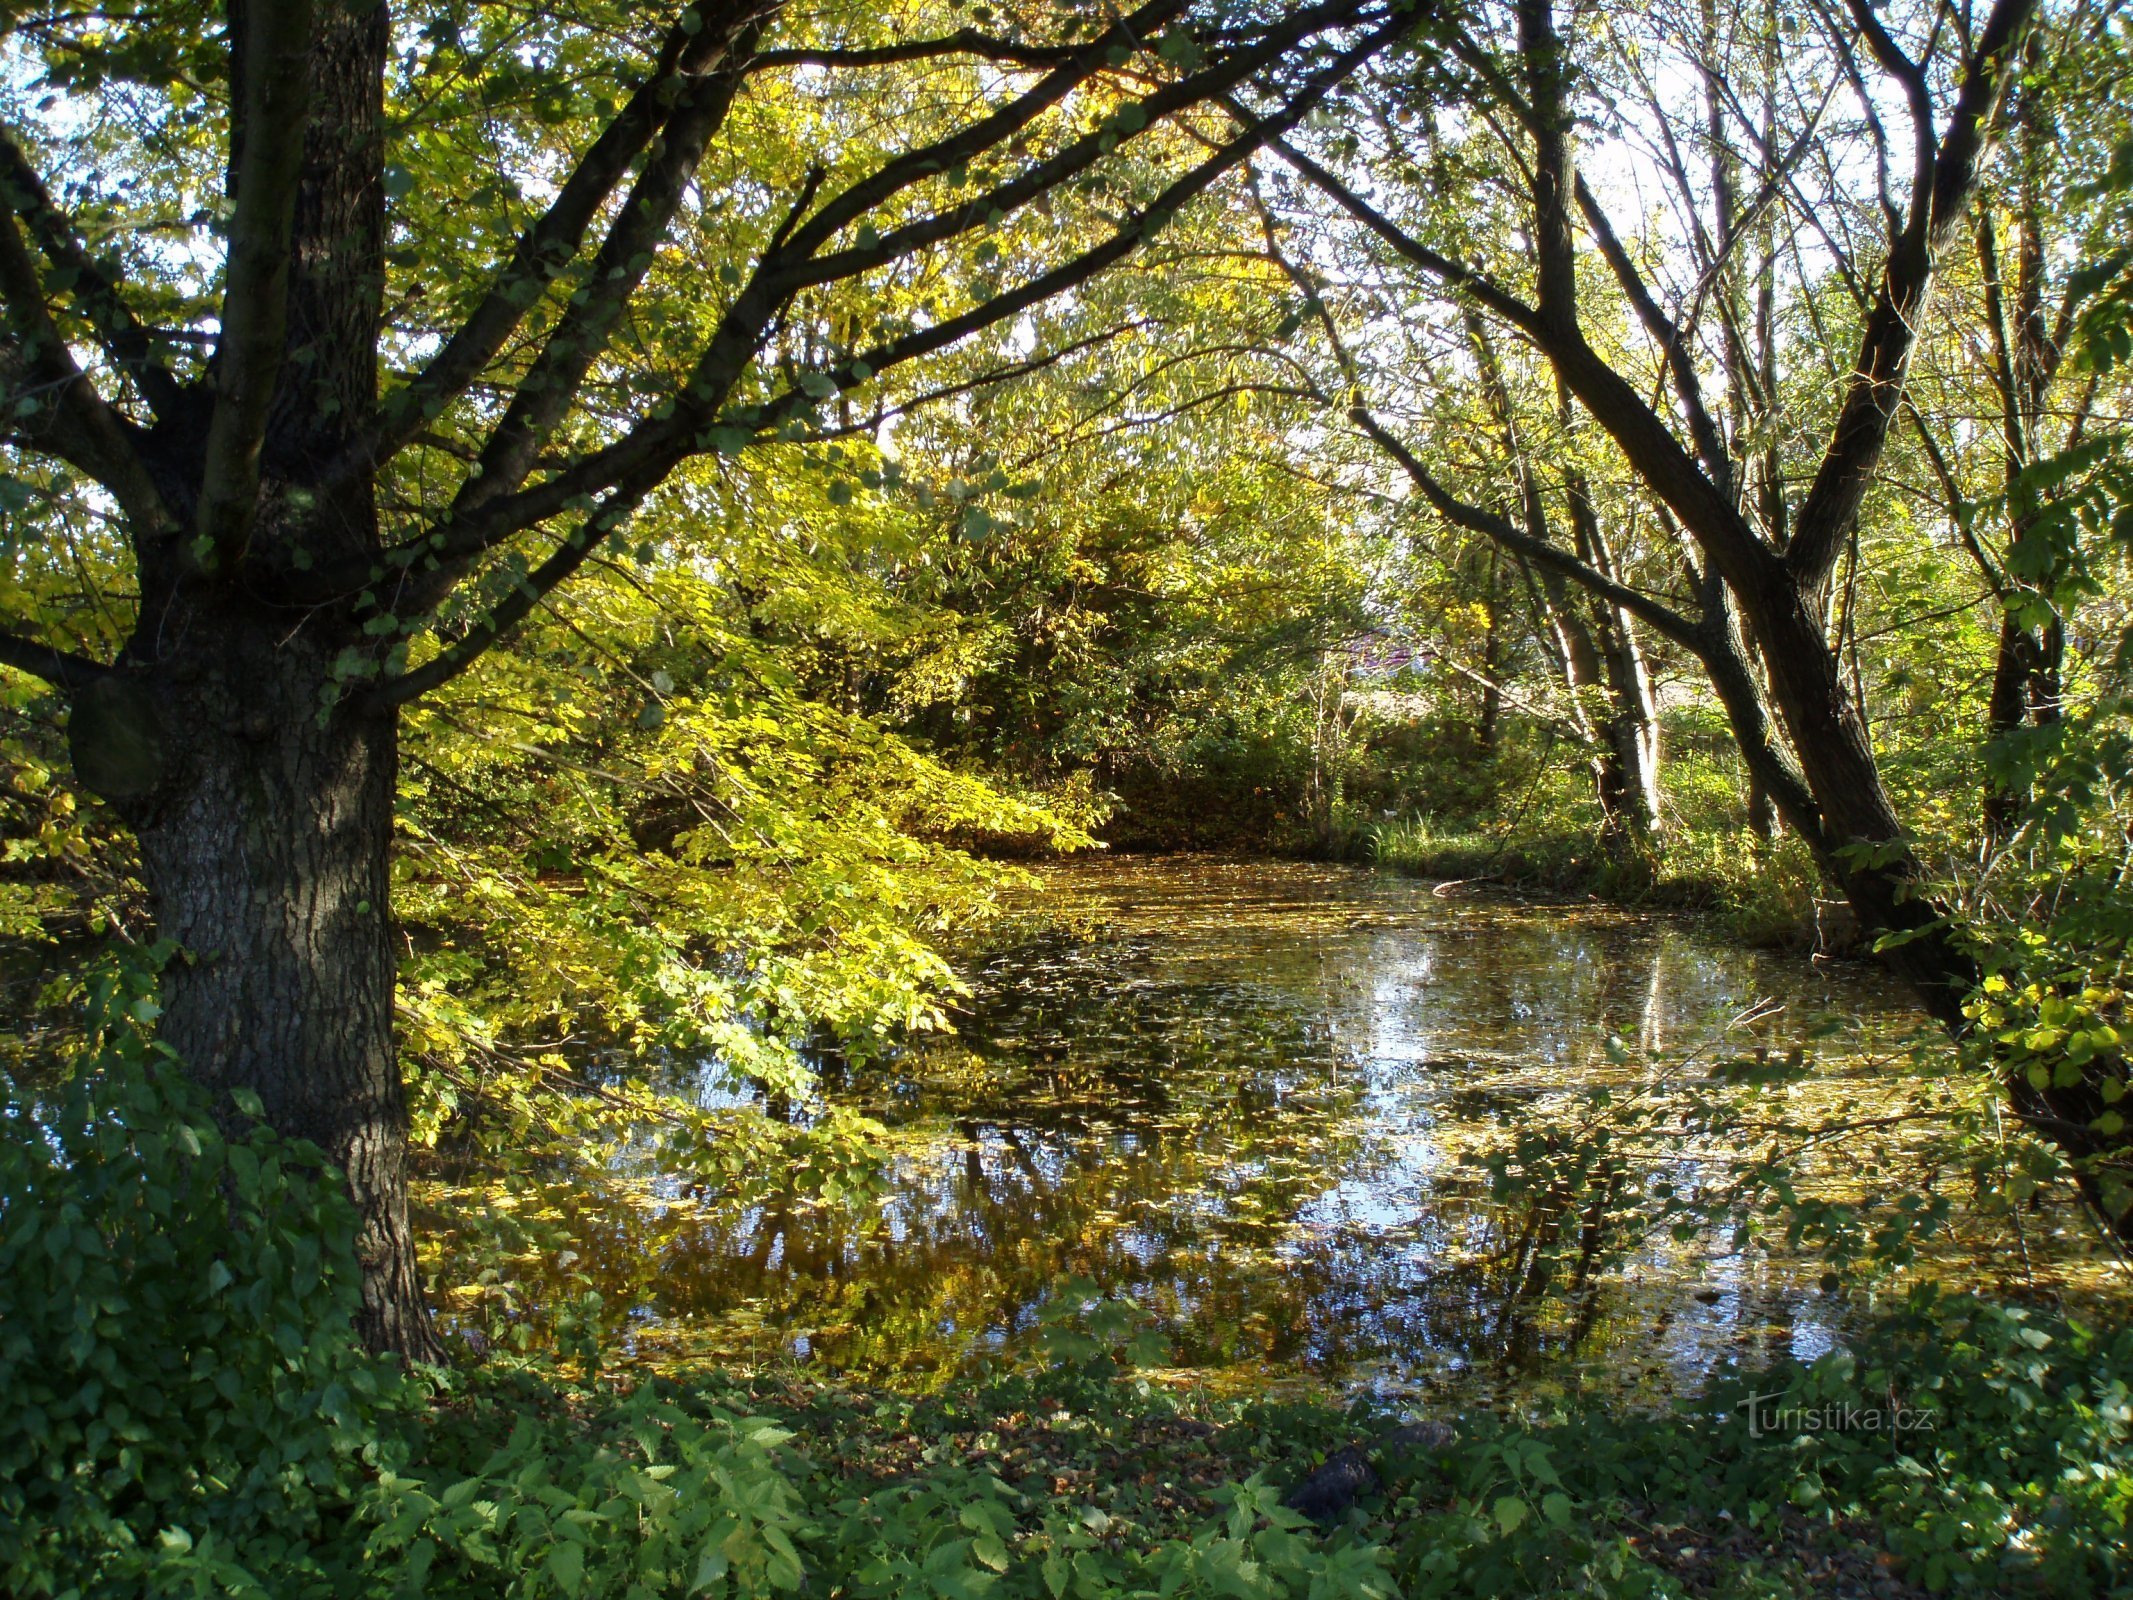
[451, 325]
[1687, 377]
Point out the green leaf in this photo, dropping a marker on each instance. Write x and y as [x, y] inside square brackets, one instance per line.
[566, 1564]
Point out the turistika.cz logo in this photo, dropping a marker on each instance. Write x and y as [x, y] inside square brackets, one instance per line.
[1769, 1414]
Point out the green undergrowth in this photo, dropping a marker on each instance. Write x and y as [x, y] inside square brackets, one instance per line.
[2010, 1473]
[188, 1415]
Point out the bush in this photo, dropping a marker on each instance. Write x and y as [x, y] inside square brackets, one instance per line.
[2012, 1475]
[184, 1401]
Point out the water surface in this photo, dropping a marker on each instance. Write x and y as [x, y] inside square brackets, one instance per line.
[1250, 1096]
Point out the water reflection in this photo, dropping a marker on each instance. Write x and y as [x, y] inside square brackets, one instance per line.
[1248, 1095]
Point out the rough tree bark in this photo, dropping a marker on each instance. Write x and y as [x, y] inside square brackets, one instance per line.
[264, 821]
[265, 844]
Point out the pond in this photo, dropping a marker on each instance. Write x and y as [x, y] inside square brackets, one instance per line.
[1248, 1096]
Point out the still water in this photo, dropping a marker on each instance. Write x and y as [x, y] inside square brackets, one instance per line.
[1249, 1096]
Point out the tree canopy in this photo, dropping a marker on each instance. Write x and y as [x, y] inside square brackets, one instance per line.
[544, 542]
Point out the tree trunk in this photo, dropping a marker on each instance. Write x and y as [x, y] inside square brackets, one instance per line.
[1577, 660]
[1762, 810]
[265, 839]
[1633, 719]
[1488, 721]
[263, 798]
[1865, 852]
[2025, 693]
[1632, 727]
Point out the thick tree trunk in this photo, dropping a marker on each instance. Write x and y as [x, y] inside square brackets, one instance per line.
[1865, 851]
[263, 799]
[265, 816]
[265, 838]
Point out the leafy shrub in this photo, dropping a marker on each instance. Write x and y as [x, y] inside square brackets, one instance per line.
[2015, 1475]
[184, 1402]
[681, 1489]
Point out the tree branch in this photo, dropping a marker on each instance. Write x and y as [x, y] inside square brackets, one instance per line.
[1918, 99]
[642, 460]
[1554, 244]
[54, 407]
[1876, 389]
[613, 513]
[914, 166]
[1661, 618]
[1680, 361]
[255, 296]
[694, 425]
[130, 345]
[548, 391]
[548, 246]
[1484, 291]
[1069, 161]
[963, 42]
[60, 668]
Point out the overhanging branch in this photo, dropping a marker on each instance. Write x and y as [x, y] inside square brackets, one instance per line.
[639, 463]
[1661, 618]
[694, 426]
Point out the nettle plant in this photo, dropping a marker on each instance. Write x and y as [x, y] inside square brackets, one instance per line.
[186, 1403]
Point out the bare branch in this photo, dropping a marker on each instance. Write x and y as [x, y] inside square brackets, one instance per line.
[1554, 243]
[1918, 98]
[1484, 290]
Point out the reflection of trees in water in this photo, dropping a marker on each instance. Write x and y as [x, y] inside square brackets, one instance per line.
[1161, 1141]
[1178, 1115]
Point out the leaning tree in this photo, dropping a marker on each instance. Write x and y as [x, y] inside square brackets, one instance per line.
[1668, 338]
[361, 330]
